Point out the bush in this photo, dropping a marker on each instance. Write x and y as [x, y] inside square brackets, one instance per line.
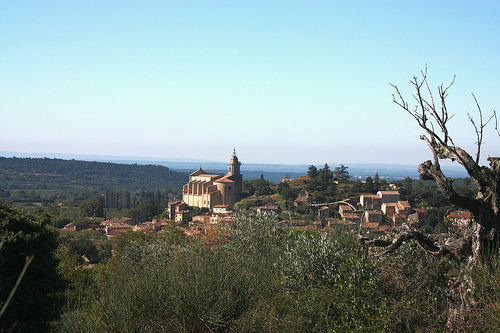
[263, 279]
[414, 284]
[35, 303]
[157, 287]
[486, 279]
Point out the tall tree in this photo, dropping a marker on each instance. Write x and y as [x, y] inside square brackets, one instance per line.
[325, 176]
[368, 185]
[341, 173]
[91, 208]
[376, 182]
[406, 187]
[312, 172]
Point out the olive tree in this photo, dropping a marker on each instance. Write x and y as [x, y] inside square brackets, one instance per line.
[433, 117]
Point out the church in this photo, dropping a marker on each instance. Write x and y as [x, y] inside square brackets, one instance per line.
[207, 190]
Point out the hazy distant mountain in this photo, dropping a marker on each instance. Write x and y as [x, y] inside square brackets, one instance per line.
[272, 172]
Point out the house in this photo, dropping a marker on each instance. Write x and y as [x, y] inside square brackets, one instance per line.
[116, 228]
[370, 201]
[227, 222]
[389, 196]
[403, 207]
[399, 212]
[201, 219]
[398, 219]
[344, 209]
[217, 218]
[389, 208]
[179, 216]
[323, 213]
[285, 224]
[270, 208]
[351, 217]
[372, 216]
[417, 219]
[301, 200]
[127, 220]
[174, 207]
[460, 218]
[220, 209]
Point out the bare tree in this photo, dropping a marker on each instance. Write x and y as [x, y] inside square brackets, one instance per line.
[433, 117]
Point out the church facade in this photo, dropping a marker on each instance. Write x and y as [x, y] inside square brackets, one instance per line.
[208, 190]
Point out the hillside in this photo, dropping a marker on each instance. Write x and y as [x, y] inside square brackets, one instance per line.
[59, 174]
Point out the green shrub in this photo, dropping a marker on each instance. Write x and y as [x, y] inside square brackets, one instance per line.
[486, 279]
[415, 285]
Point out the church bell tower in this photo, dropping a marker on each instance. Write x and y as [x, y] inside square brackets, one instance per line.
[234, 165]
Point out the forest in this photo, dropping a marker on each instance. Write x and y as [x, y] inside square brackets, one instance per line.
[60, 174]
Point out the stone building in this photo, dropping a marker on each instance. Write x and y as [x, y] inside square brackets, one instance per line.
[207, 190]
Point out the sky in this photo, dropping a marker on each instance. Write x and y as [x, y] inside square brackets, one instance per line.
[282, 82]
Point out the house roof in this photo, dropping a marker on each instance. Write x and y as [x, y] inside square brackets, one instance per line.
[388, 192]
[301, 199]
[373, 212]
[404, 204]
[270, 207]
[373, 196]
[460, 215]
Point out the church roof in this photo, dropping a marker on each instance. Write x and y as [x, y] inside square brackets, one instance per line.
[200, 171]
[225, 179]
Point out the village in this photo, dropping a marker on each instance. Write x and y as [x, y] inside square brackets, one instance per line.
[377, 214]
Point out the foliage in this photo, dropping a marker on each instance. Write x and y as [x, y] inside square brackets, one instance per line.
[341, 173]
[486, 279]
[173, 235]
[59, 173]
[414, 284]
[369, 186]
[146, 210]
[286, 191]
[157, 287]
[35, 303]
[258, 186]
[80, 285]
[91, 208]
[312, 172]
[259, 279]
[333, 284]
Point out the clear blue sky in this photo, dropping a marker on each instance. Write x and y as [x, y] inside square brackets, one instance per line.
[293, 82]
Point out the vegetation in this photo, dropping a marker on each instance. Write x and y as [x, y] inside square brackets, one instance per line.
[39, 182]
[35, 302]
[258, 278]
[467, 247]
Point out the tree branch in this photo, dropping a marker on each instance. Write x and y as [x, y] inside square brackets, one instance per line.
[456, 247]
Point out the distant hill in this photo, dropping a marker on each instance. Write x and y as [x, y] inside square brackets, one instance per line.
[276, 172]
[271, 172]
[51, 173]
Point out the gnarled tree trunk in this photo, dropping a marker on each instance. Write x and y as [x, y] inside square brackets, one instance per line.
[485, 207]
